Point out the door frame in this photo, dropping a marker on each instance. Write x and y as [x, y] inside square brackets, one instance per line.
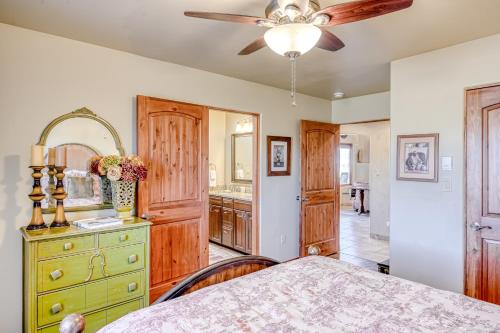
[255, 171]
[471, 281]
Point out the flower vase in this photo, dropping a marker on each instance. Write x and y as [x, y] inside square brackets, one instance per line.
[106, 192]
[123, 198]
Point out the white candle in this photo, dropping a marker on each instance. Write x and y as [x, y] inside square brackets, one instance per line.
[52, 156]
[61, 156]
[37, 155]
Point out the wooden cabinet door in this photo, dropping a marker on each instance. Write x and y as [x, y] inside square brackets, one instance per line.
[215, 219]
[482, 278]
[227, 227]
[172, 138]
[320, 190]
[240, 230]
[249, 233]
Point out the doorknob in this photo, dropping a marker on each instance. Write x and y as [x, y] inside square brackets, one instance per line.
[477, 227]
[148, 216]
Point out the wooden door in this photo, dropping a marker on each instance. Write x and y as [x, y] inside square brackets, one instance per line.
[320, 189]
[172, 138]
[215, 221]
[240, 230]
[482, 278]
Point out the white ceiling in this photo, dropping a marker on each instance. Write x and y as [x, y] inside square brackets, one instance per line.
[158, 29]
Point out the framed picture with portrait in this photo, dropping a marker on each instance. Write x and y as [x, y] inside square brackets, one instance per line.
[417, 157]
[279, 151]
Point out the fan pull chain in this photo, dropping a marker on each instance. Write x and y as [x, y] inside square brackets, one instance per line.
[293, 62]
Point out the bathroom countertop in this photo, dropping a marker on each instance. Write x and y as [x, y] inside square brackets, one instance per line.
[233, 195]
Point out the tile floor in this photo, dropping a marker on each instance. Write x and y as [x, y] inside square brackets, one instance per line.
[355, 238]
[368, 264]
[218, 253]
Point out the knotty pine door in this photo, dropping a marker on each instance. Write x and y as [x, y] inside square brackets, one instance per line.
[320, 189]
[172, 138]
[482, 269]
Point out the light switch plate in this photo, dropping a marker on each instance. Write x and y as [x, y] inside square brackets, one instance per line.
[446, 163]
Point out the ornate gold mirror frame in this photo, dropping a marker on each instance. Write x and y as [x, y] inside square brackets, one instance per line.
[83, 113]
[88, 114]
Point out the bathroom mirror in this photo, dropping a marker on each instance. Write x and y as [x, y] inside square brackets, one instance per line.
[241, 157]
[85, 135]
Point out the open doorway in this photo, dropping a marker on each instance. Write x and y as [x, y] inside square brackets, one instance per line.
[233, 178]
[364, 177]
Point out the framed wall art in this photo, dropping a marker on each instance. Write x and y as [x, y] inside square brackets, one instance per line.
[418, 157]
[279, 150]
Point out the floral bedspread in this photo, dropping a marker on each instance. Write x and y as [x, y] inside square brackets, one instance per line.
[315, 294]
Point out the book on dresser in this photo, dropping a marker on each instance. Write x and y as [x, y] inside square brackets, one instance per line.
[101, 273]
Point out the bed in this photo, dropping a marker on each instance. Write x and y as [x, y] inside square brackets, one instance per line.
[312, 294]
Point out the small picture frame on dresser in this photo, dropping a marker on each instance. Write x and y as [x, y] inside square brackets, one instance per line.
[279, 155]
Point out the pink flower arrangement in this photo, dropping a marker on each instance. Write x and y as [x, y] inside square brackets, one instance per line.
[116, 168]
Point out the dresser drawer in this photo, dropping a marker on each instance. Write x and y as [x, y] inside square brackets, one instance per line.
[54, 307]
[227, 215]
[227, 202]
[122, 237]
[124, 259]
[121, 310]
[64, 272]
[93, 323]
[215, 200]
[125, 287]
[243, 205]
[58, 247]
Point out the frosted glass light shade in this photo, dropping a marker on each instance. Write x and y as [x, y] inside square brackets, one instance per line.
[293, 37]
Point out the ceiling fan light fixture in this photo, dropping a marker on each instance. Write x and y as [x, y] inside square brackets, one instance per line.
[294, 37]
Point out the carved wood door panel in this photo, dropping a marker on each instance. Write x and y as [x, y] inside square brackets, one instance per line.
[482, 278]
[172, 138]
[320, 190]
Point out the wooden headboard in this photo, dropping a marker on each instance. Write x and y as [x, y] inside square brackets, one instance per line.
[219, 272]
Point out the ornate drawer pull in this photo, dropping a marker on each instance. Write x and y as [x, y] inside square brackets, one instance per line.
[56, 274]
[132, 287]
[123, 238]
[68, 246]
[91, 265]
[103, 265]
[133, 258]
[56, 308]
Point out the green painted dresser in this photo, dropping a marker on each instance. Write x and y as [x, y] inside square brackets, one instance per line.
[102, 274]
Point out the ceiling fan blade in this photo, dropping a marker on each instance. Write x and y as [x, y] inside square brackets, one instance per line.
[254, 46]
[229, 17]
[329, 41]
[361, 10]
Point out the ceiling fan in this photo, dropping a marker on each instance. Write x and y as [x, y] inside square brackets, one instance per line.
[297, 26]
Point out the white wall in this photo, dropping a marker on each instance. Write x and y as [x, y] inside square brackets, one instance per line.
[44, 76]
[363, 108]
[427, 95]
[217, 143]
[378, 172]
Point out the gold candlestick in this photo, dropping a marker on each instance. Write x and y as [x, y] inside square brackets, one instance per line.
[59, 194]
[37, 196]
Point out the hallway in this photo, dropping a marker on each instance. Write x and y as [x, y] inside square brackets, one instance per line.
[355, 238]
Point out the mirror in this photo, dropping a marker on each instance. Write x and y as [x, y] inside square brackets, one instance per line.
[241, 158]
[85, 135]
